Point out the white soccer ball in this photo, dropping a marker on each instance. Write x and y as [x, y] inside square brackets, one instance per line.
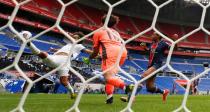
[26, 34]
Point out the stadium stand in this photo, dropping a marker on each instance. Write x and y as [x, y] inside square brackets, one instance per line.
[198, 37]
[81, 14]
[13, 44]
[204, 84]
[174, 29]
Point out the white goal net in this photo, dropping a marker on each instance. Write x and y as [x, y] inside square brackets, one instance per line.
[75, 107]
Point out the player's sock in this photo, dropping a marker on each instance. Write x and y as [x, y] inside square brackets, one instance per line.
[109, 96]
[155, 90]
[139, 89]
[116, 82]
[109, 99]
[165, 94]
[109, 89]
[141, 77]
[33, 48]
[158, 90]
[69, 88]
[71, 91]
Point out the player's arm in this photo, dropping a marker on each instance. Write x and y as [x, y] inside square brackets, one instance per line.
[95, 52]
[144, 46]
[87, 51]
[175, 36]
[91, 52]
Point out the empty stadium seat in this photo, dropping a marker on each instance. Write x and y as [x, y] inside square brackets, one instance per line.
[174, 29]
[204, 84]
[198, 37]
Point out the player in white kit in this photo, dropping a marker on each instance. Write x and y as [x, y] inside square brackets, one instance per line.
[59, 57]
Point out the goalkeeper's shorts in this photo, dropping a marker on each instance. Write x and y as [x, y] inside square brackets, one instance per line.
[111, 61]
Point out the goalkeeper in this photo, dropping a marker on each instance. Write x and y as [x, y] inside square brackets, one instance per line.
[106, 42]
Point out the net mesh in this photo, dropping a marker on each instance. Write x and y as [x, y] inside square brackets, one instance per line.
[111, 7]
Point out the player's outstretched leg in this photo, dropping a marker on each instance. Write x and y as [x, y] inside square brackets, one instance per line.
[153, 89]
[27, 35]
[165, 94]
[33, 48]
[150, 83]
[36, 51]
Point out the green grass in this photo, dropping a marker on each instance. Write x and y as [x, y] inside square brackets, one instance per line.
[95, 103]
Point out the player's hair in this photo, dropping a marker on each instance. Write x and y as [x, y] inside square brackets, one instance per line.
[80, 34]
[160, 37]
[112, 21]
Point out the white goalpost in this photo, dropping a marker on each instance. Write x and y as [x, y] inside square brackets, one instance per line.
[75, 107]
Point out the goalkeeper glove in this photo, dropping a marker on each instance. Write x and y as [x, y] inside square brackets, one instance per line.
[143, 44]
[86, 60]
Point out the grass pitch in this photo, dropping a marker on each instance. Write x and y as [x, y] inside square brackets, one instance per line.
[95, 103]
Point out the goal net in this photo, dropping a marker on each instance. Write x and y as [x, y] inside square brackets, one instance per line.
[75, 107]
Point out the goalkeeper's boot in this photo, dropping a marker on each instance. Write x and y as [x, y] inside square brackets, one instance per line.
[109, 100]
[73, 95]
[124, 99]
[129, 88]
[165, 94]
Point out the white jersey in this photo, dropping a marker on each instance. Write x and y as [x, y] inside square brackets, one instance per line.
[76, 51]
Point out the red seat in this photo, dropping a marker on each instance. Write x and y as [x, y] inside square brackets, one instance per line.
[94, 14]
[198, 37]
[170, 29]
[142, 25]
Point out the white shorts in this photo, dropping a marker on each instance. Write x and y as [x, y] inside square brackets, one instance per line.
[55, 60]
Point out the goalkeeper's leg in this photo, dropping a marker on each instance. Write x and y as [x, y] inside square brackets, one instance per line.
[109, 89]
[127, 98]
[109, 76]
[113, 81]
